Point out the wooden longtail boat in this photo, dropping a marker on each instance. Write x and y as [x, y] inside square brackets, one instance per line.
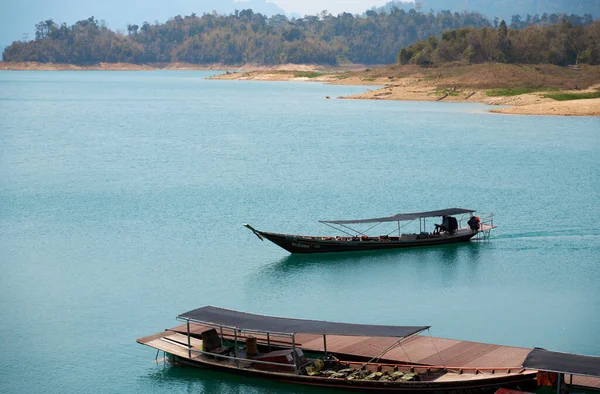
[265, 347]
[452, 230]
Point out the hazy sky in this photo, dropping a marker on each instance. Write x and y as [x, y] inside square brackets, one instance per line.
[304, 7]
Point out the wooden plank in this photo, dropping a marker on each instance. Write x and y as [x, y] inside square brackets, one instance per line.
[145, 340]
[183, 339]
[585, 381]
[169, 347]
[502, 356]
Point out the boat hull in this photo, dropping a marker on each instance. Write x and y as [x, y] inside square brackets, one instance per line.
[482, 383]
[305, 245]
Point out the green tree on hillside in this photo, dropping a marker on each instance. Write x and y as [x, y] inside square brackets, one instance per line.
[560, 44]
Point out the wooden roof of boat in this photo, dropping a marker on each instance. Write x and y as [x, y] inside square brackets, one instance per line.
[404, 216]
[281, 325]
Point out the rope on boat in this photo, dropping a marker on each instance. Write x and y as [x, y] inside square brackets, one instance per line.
[436, 349]
[384, 351]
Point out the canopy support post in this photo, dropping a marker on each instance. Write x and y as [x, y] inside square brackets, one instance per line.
[221, 328]
[325, 344]
[187, 324]
[561, 378]
[235, 347]
[294, 353]
[268, 343]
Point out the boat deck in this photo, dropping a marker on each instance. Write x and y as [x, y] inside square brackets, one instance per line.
[420, 349]
[175, 343]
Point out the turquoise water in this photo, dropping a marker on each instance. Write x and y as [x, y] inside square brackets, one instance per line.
[122, 196]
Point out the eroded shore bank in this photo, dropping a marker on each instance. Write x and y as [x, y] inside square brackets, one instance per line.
[492, 84]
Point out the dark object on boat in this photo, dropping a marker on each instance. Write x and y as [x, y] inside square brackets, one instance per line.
[285, 356]
[448, 232]
[474, 223]
[211, 342]
[251, 347]
[289, 364]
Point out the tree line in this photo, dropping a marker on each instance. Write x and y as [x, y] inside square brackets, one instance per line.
[248, 37]
[560, 44]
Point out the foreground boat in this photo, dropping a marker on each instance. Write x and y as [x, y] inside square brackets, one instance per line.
[266, 347]
[451, 230]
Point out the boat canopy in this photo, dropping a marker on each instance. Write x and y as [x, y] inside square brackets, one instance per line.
[280, 325]
[575, 364]
[404, 216]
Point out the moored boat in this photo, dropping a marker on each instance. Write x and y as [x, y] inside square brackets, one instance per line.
[266, 347]
[457, 225]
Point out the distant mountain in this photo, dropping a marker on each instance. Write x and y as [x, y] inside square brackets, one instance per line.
[17, 18]
[503, 9]
[259, 7]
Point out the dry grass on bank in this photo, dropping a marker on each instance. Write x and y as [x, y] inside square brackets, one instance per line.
[494, 75]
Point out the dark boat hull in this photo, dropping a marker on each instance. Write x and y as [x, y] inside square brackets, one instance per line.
[489, 382]
[305, 245]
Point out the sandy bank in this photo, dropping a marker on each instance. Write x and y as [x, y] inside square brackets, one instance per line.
[423, 87]
[35, 66]
[524, 104]
[588, 107]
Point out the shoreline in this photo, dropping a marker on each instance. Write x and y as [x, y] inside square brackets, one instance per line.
[102, 66]
[451, 84]
[420, 89]
[35, 66]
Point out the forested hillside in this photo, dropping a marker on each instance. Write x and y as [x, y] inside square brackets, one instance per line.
[240, 38]
[248, 37]
[560, 44]
[505, 9]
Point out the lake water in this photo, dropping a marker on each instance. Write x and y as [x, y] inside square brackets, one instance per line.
[122, 198]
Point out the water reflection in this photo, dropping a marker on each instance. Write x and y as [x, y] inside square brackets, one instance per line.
[445, 255]
[445, 266]
[177, 378]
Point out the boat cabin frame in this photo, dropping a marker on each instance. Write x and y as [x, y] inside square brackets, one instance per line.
[405, 219]
[224, 319]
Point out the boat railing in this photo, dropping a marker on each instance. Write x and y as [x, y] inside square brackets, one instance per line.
[487, 221]
[239, 331]
[430, 368]
[234, 358]
[244, 359]
[412, 367]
